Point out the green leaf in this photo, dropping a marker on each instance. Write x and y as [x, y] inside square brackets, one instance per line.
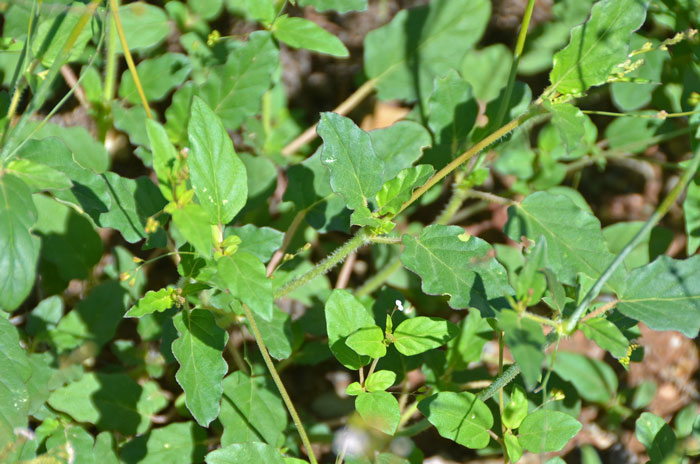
[110, 401]
[531, 282]
[52, 34]
[570, 123]
[276, 333]
[606, 335]
[245, 277]
[356, 170]
[630, 96]
[450, 264]
[39, 176]
[245, 452]
[653, 244]
[234, 90]
[344, 315]
[354, 389]
[574, 239]
[380, 381]
[74, 438]
[164, 157]
[664, 295]
[399, 189]
[597, 46]
[399, 146]
[192, 221]
[460, 417]
[526, 341]
[302, 33]
[261, 242]
[341, 6]
[133, 202]
[87, 152]
[594, 380]
[367, 341]
[198, 350]
[656, 436]
[379, 410]
[250, 411]
[94, 319]
[545, 430]
[218, 176]
[487, 70]
[158, 77]
[420, 334]
[14, 394]
[513, 447]
[178, 443]
[453, 110]
[691, 213]
[516, 410]
[68, 239]
[420, 44]
[468, 345]
[19, 249]
[144, 25]
[153, 301]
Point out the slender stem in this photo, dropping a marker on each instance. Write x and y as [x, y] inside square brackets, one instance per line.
[129, 60]
[408, 413]
[658, 115]
[371, 369]
[378, 279]
[601, 310]
[490, 197]
[344, 108]
[335, 258]
[660, 212]
[501, 349]
[386, 240]
[346, 271]
[288, 236]
[111, 63]
[280, 386]
[485, 142]
[72, 81]
[500, 382]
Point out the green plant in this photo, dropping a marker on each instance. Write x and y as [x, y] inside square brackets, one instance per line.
[131, 305]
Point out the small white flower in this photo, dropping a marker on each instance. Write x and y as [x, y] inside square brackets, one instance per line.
[399, 305]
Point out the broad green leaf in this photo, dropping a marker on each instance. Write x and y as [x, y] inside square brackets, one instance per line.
[261, 242]
[87, 152]
[245, 452]
[653, 244]
[73, 438]
[633, 135]
[158, 76]
[178, 443]
[39, 176]
[164, 157]
[367, 341]
[545, 430]
[153, 301]
[513, 447]
[68, 240]
[14, 393]
[379, 410]
[526, 341]
[597, 46]
[145, 25]
[355, 169]
[656, 436]
[519, 102]
[487, 70]
[234, 90]
[399, 189]
[380, 380]
[19, 249]
[109, 401]
[462, 267]
[192, 221]
[399, 146]
[574, 239]
[341, 6]
[218, 176]
[531, 282]
[594, 380]
[354, 389]
[362, 216]
[250, 411]
[276, 333]
[691, 213]
[44, 316]
[198, 350]
[630, 96]
[570, 123]
[516, 410]
[460, 417]
[245, 277]
[420, 334]
[134, 201]
[606, 335]
[344, 315]
[178, 113]
[452, 108]
[52, 34]
[302, 33]
[664, 295]
[94, 319]
[207, 9]
[420, 44]
[468, 345]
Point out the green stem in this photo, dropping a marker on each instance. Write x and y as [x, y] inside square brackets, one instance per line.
[280, 386]
[378, 279]
[335, 258]
[111, 63]
[660, 212]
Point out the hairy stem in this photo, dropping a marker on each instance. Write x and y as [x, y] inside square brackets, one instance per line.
[280, 386]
